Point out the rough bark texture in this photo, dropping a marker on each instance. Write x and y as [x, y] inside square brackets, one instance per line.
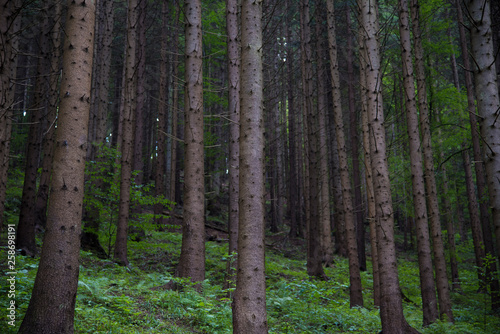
[192, 260]
[443, 288]
[233, 69]
[427, 286]
[354, 138]
[311, 125]
[356, 296]
[52, 304]
[322, 105]
[249, 305]
[478, 160]
[391, 308]
[127, 137]
[488, 105]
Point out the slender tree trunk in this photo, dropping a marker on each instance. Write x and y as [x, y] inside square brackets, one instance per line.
[353, 135]
[127, 142]
[325, 223]
[162, 116]
[140, 114]
[314, 256]
[428, 289]
[370, 194]
[443, 288]
[233, 69]
[249, 305]
[488, 104]
[52, 304]
[192, 260]
[174, 156]
[294, 190]
[391, 308]
[356, 295]
[475, 225]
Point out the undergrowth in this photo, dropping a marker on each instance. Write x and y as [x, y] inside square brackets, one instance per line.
[134, 299]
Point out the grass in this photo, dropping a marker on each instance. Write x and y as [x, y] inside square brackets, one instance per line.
[115, 299]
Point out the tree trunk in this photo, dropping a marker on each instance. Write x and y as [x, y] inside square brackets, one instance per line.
[353, 135]
[428, 289]
[356, 295]
[192, 260]
[488, 105]
[325, 222]
[127, 142]
[391, 308]
[249, 305]
[293, 186]
[161, 128]
[52, 305]
[233, 69]
[443, 288]
[314, 256]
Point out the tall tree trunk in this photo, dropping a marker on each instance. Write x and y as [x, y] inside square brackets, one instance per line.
[140, 114]
[162, 116]
[174, 182]
[192, 260]
[249, 305]
[478, 161]
[443, 288]
[233, 69]
[428, 289]
[52, 305]
[488, 104]
[370, 194]
[354, 138]
[356, 295]
[99, 115]
[314, 265]
[293, 186]
[391, 308]
[127, 142]
[325, 222]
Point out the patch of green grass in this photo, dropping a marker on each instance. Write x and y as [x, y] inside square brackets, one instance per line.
[116, 299]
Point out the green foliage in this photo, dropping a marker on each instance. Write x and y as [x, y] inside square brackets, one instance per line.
[102, 196]
[137, 299]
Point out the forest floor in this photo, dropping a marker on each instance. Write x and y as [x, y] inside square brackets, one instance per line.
[116, 299]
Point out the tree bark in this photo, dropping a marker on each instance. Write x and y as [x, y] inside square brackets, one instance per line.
[192, 260]
[127, 142]
[249, 305]
[354, 138]
[488, 105]
[443, 288]
[356, 295]
[322, 105]
[428, 289]
[52, 304]
[391, 308]
[233, 69]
